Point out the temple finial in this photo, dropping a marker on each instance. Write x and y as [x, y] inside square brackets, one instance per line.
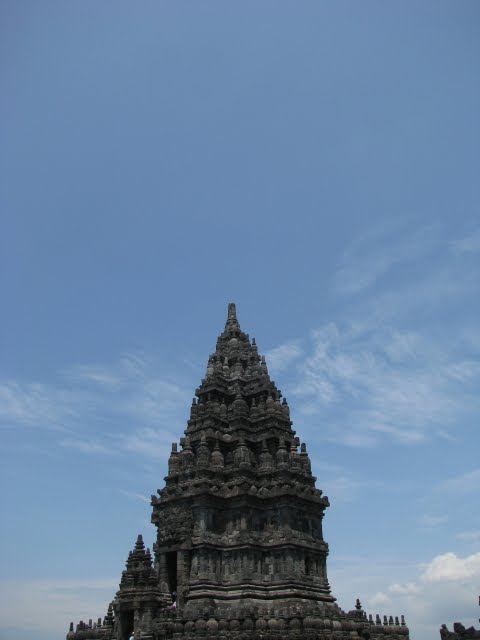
[232, 311]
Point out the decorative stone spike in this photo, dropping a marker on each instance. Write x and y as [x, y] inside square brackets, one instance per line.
[148, 558]
[282, 457]
[265, 460]
[216, 459]
[109, 617]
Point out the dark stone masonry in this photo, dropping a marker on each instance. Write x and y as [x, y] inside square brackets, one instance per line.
[240, 550]
[459, 631]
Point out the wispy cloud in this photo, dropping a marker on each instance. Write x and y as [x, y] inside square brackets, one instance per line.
[135, 496]
[341, 484]
[283, 356]
[427, 294]
[385, 370]
[429, 521]
[149, 442]
[469, 243]
[464, 483]
[156, 399]
[469, 536]
[87, 446]
[379, 383]
[361, 268]
[33, 404]
[95, 374]
[401, 274]
[128, 406]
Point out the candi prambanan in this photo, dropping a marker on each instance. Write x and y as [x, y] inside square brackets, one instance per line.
[239, 551]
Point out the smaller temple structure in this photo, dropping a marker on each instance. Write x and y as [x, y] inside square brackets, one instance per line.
[459, 631]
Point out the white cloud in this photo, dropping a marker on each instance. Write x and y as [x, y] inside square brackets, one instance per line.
[442, 590]
[449, 566]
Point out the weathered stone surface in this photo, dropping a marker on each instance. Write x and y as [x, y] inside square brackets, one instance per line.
[459, 631]
[239, 546]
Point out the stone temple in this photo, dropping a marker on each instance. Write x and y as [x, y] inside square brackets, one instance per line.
[239, 551]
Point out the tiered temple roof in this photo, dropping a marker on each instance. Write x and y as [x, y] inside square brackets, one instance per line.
[240, 549]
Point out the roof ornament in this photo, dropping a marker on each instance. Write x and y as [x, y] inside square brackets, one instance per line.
[231, 326]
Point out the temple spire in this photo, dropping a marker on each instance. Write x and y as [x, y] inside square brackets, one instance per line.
[232, 322]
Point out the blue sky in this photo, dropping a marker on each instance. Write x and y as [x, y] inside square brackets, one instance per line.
[317, 163]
